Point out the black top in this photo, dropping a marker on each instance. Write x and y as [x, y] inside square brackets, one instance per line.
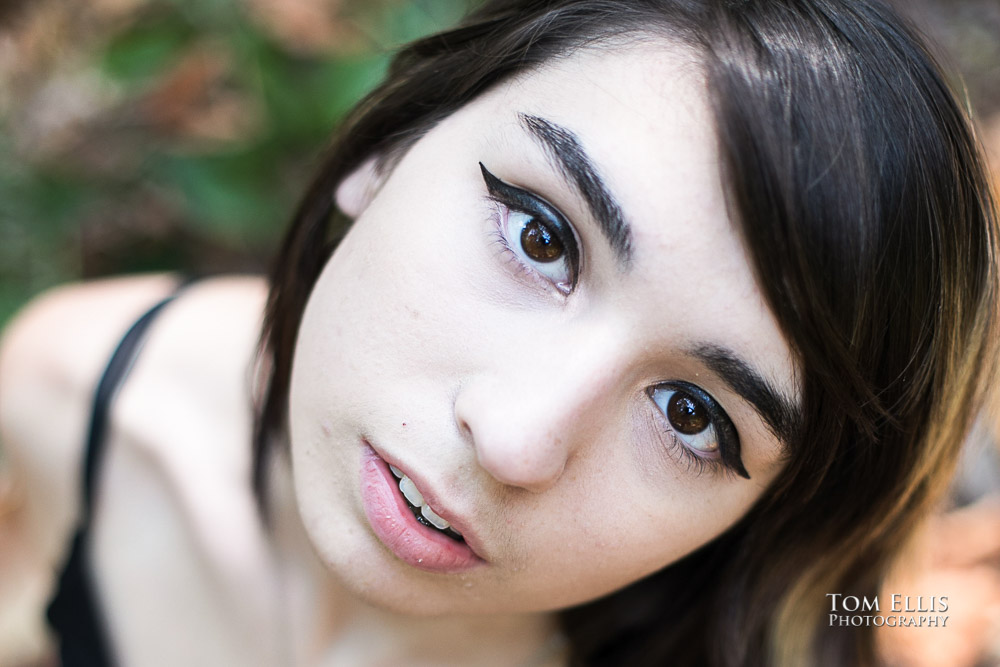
[74, 613]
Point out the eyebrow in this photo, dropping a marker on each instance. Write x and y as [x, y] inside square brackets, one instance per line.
[572, 162]
[781, 414]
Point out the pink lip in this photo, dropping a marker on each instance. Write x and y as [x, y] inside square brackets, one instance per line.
[396, 527]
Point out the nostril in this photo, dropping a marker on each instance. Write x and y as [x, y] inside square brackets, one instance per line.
[459, 411]
[465, 430]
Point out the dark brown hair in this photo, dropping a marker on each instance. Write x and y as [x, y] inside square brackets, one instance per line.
[855, 180]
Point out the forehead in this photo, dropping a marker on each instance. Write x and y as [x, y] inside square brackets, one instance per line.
[641, 111]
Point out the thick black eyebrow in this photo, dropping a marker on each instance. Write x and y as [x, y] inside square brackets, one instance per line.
[576, 167]
[780, 413]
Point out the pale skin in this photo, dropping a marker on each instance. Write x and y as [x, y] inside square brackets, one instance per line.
[521, 400]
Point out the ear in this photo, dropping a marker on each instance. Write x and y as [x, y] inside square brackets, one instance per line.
[359, 188]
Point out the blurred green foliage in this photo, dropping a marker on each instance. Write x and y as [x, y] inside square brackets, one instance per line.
[185, 131]
[148, 135]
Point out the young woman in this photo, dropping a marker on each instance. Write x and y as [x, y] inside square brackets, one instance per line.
[649, 325]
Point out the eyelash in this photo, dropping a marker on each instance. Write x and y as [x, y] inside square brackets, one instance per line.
[696, 465]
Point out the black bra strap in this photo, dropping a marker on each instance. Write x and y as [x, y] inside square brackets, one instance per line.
[111, 380]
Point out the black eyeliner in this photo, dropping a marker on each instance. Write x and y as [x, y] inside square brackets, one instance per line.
[729, 439]
[525, 202]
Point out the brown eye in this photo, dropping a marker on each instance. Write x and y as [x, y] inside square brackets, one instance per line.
[686, 414]
[699, 424]
[539, 243]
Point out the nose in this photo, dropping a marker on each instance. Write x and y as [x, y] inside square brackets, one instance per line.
[527, 419]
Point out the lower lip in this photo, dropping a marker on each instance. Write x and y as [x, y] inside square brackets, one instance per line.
[396, 527]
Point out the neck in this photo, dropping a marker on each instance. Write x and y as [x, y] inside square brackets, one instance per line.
[326, 624]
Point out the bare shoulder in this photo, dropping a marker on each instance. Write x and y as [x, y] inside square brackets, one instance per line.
[50, 357]
[53, 352]
[190, 392]
[59, 342]
[178, 437]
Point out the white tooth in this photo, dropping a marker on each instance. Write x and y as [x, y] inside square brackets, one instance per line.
[409, 490]
[434, 518]
[396, 471]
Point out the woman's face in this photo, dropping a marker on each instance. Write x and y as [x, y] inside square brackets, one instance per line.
[545, 319]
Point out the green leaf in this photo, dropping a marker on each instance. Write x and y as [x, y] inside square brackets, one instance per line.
[232, 197]
[146, 49]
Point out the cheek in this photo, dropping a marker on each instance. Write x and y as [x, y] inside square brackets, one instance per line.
[392, 287]
[616, 526]
[390, 311]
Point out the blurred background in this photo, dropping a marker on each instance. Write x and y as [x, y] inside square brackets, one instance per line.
[142, 135]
